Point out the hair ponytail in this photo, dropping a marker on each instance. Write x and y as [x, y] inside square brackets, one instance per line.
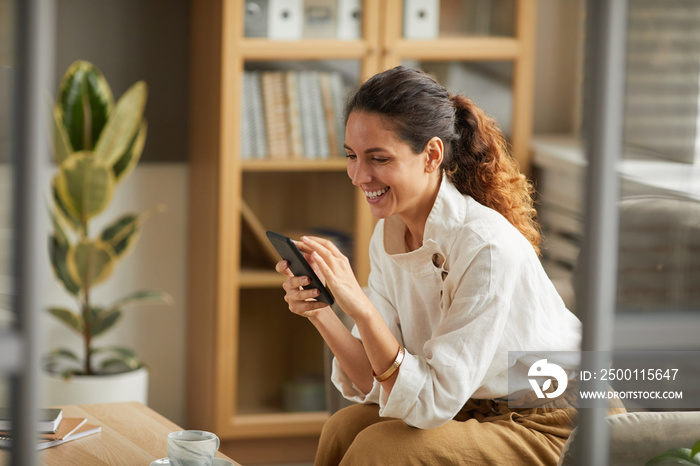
[480, 165]
[476, 158]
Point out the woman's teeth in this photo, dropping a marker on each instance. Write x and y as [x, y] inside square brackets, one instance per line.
[376, 194]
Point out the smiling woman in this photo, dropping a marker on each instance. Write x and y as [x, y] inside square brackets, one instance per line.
[455, 284]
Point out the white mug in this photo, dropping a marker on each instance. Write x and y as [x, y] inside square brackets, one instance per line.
[192, 448]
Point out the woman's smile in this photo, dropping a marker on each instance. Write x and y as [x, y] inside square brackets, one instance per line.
[376, 195]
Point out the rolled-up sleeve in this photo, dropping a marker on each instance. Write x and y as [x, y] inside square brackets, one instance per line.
[432, 388]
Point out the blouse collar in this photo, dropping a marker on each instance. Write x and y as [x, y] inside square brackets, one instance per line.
[448, 211]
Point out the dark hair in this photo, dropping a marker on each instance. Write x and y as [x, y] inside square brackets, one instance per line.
[476, 158]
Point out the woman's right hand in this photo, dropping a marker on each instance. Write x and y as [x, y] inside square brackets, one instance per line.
[301, 302]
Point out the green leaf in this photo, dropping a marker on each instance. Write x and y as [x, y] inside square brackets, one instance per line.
[53, 365]
[695, 450]
[61, 143]
[104, 321]
[121, 350]
[85, 186]
[122, 359]
[144, 295]
[64, 353]
[68, 317]
[58, 252]
[90, 262]
[121, 233]
[86, 101]
[73, 222]
[58, 226]
[130, 159]
[676, 456]
[122, 125]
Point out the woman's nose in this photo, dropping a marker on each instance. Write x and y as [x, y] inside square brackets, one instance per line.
[359, 173]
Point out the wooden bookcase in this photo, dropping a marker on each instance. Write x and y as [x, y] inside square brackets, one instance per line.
[241, 339]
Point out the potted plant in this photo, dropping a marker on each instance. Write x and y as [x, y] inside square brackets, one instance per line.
[682, 456]
[96, 144]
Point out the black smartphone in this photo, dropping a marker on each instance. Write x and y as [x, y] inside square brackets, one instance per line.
[298, 265]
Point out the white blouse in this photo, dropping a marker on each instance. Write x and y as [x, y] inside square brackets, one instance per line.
[495, 298]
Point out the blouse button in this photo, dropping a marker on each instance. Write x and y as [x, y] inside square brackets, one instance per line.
[438, 260]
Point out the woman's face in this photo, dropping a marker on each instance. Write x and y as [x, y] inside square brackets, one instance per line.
[394, 179]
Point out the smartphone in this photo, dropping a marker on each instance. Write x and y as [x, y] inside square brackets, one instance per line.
[298, 265]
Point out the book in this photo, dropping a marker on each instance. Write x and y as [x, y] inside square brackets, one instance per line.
[275, 109]
[258, 115]
[49, 419]
[315, 136]
[349, 19]
[318, 114]
[338, 94]
[294, 116]
[69, 429]
[320, 19]
[256, 18]
[247, 119]
[285, 20]
[328, 111]
[82, 431]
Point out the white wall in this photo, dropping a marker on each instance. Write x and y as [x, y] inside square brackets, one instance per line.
[558, 65]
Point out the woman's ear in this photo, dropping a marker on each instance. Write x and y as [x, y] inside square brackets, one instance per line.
[434, 151]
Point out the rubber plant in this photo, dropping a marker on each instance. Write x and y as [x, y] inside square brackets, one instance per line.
[96, 144]
[679, 456]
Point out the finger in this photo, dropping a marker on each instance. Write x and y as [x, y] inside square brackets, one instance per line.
[283, 268]
[318, 262]
[304, 307]
[294, 283]
[326, 243]
[302, 295]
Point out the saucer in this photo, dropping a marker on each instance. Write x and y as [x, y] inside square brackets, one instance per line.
[217, 462]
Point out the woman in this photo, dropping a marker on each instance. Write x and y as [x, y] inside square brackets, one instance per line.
[455, 284]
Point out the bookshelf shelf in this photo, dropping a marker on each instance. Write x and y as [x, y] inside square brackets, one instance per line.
[244, 344]
[306, 49]
[260, 279]
[335, 164]
[464, 49]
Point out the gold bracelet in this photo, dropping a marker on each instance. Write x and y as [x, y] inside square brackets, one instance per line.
[389, 372]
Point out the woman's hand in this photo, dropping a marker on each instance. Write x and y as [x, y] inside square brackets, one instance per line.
[300, 301]
[334, 268]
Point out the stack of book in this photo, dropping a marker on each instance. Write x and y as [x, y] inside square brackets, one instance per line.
[53, 428]
[292, 115]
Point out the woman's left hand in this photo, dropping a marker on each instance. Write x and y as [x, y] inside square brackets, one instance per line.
[324, 256]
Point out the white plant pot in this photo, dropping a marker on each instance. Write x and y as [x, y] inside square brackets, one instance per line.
[87, 389]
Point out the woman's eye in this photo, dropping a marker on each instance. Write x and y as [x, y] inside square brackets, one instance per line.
[350, 156]
[380, 160]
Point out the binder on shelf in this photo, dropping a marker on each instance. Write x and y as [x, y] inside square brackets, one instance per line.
[320, 19]
[329, 112]
[421, 19]
[349, 19]
[258, 117]
[285, 19]
[275, 108]
[338, 92]
[256, 18]
[294, 116]
[247, 130]
[305, 82]
[320, 130]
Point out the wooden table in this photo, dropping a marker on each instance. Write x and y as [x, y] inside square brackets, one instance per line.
[132, 434]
